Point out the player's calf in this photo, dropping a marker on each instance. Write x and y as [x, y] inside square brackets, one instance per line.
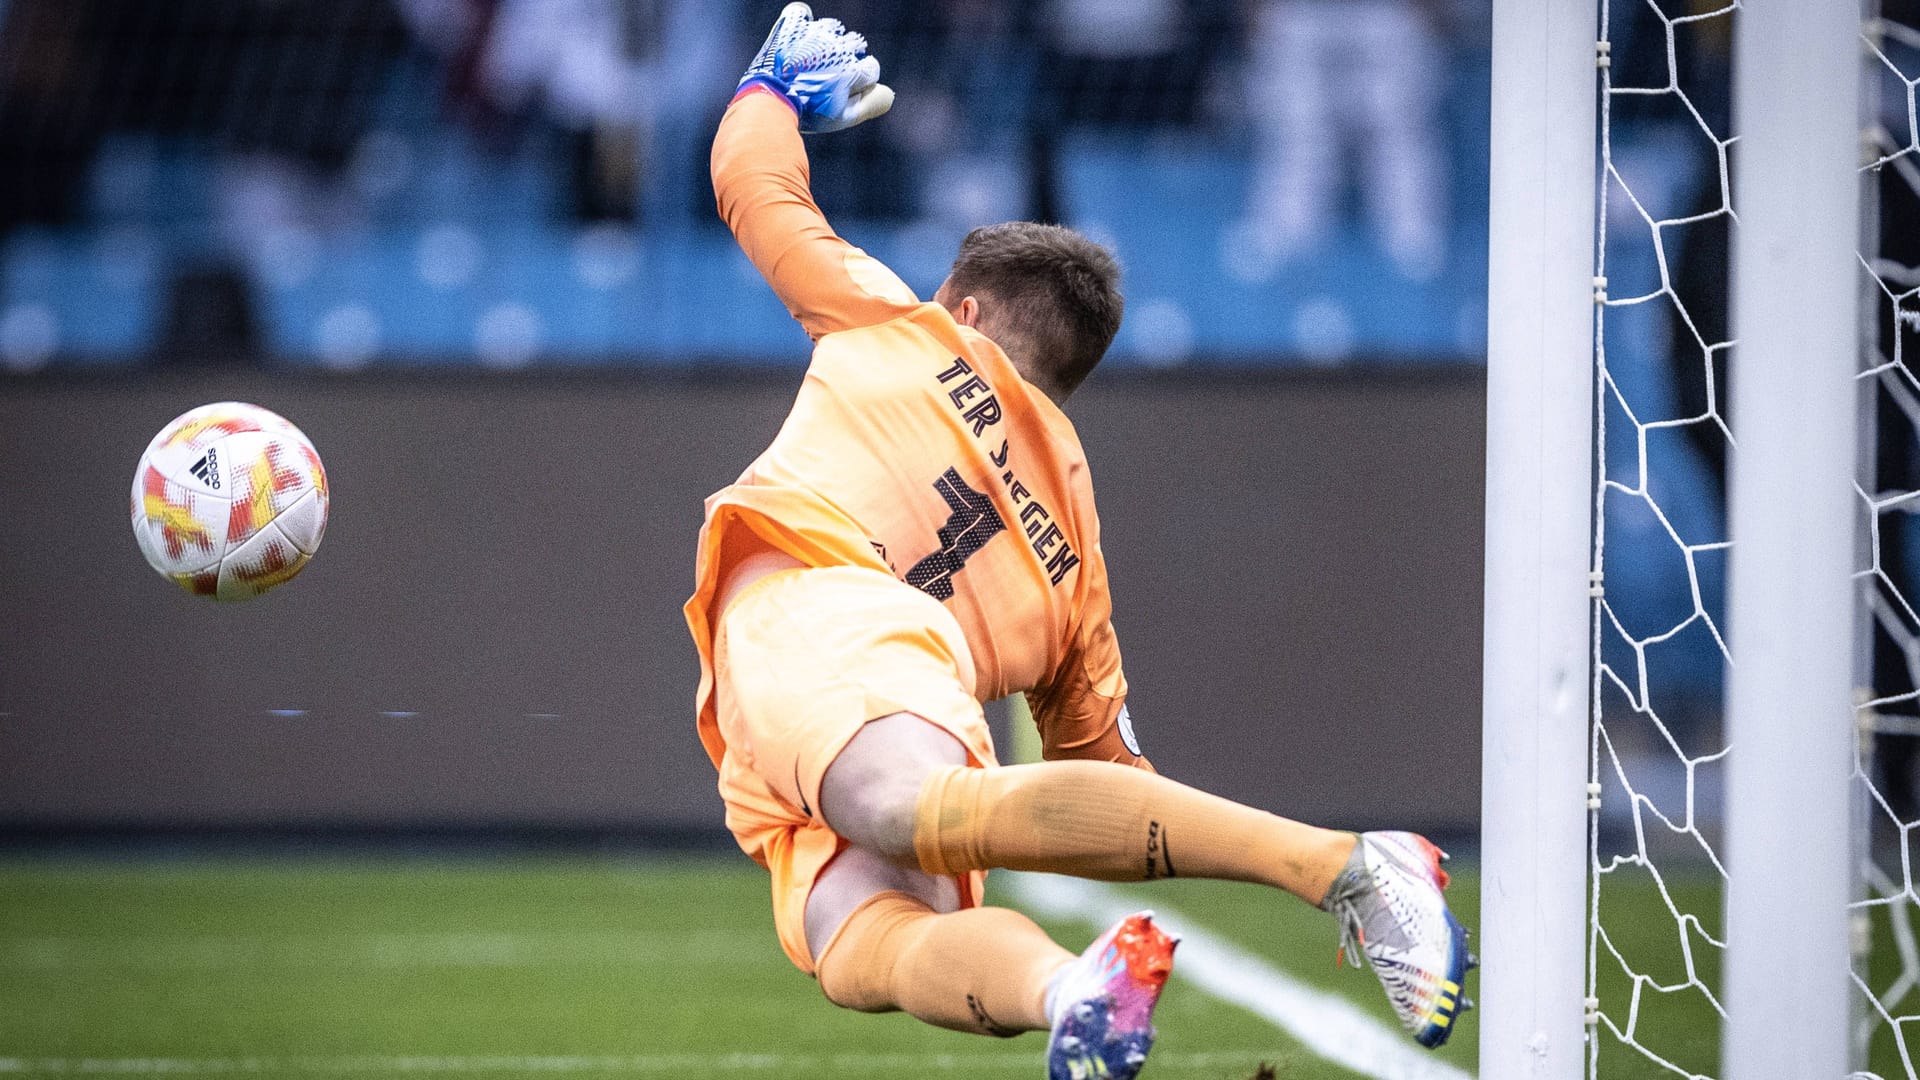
[983, 970]
[1114, 823]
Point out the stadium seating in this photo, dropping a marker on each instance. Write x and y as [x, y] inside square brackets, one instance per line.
[454, 241]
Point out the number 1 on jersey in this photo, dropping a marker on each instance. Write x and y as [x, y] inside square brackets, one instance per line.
[972, 523]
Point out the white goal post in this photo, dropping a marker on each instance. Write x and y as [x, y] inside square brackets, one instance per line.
[1793, 512]
[1538, 620]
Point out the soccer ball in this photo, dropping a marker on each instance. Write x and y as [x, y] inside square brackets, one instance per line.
[229, 500]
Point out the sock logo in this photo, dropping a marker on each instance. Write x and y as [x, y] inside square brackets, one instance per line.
[987, 1023]
[207, 469]
[1159, 854]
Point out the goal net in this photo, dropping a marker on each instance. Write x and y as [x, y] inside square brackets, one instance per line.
[1886, 970]
[1656, 937]
[1673, 827]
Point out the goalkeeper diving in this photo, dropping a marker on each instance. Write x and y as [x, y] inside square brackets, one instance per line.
[920, 537]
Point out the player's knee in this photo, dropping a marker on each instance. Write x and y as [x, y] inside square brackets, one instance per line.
[863, 916]
[875, 811]
[844, 895]
[870, 792]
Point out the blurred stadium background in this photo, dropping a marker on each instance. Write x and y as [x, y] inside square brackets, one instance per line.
[437, 806]
[515, 182]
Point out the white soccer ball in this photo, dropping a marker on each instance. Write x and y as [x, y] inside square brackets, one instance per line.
[229, 500]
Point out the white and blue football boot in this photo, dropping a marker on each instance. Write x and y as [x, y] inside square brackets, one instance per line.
[1394, 919]
[1102, 1003]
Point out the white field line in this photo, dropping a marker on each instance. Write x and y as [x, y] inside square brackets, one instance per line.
[1328, 1025]
[522, 1065]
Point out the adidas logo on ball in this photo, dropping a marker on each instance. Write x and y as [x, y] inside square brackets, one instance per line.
[207, 469]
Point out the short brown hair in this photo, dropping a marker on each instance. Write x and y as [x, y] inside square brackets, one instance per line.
[1052, 289]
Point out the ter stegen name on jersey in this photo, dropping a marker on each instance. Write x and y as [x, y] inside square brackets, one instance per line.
[980, 407]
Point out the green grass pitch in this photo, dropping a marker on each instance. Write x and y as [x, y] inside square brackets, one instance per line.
[593, 966]
[550, 966]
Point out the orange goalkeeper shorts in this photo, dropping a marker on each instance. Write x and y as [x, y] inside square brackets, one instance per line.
[803, 659]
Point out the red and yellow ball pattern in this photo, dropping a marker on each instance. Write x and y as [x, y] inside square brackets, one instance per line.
[229, 501]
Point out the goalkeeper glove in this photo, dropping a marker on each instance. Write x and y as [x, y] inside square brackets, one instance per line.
[821, 69]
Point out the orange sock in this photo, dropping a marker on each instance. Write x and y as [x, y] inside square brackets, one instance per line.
[1114, 823]
[982, 970]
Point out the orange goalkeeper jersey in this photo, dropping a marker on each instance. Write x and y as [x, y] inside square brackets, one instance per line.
[914, 447]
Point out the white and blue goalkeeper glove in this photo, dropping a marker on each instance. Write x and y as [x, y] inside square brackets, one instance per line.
[822, 69]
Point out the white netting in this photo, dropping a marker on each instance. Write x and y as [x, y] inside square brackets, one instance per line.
[1886, 969]
[1655, 938]
[1658, 749]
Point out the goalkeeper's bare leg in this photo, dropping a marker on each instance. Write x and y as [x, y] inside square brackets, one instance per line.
[902, 793]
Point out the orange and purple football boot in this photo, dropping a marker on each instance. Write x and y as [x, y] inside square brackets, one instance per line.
[1102, 1003]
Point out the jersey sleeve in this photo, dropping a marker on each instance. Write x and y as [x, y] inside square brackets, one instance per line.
[761, 182]
[1082, 711]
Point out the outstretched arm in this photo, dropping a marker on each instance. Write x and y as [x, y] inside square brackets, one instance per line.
[811, 75]
[760, 178]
